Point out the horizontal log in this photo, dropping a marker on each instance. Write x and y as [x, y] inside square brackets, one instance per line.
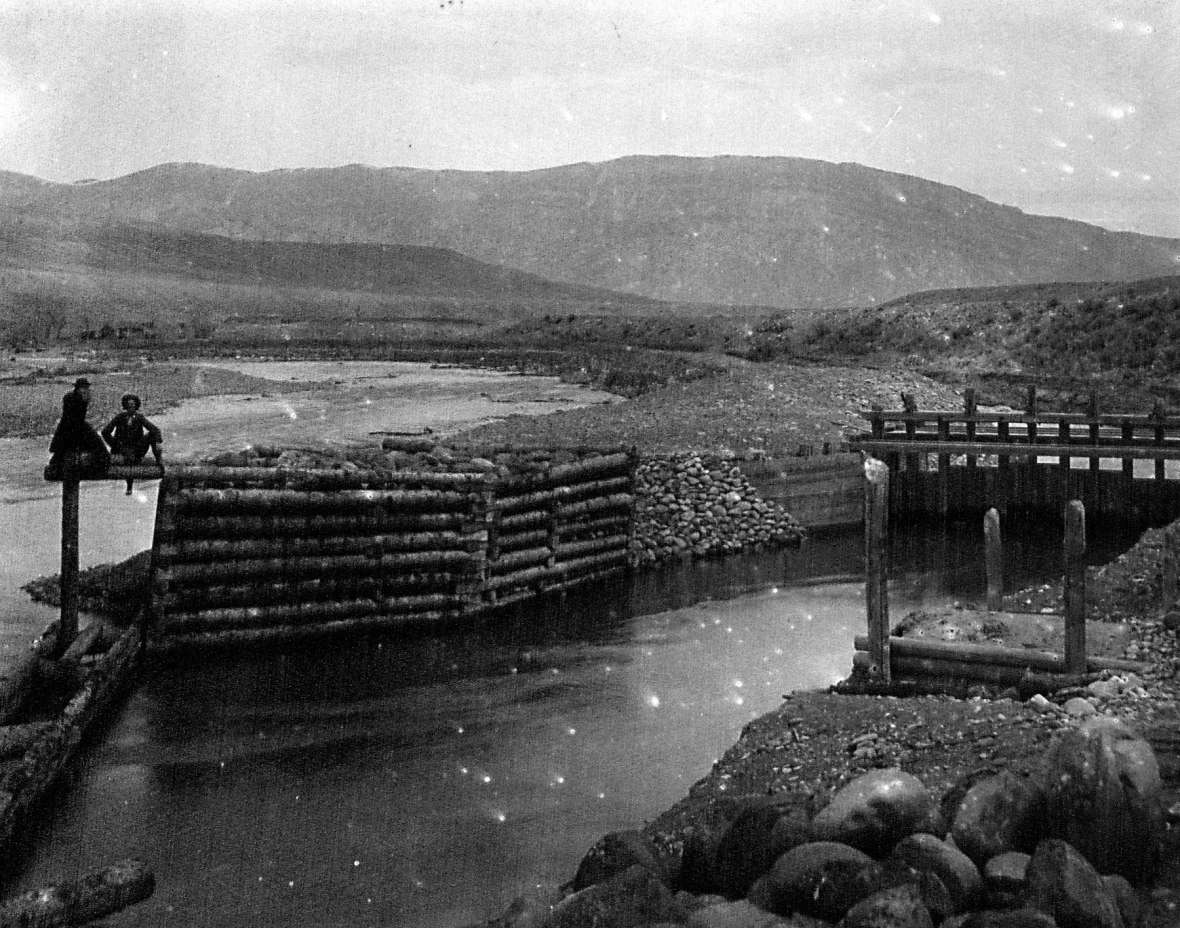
[329, 480]
[515, 559]
[574, 472]
[292, 502]
[564, 569]
[233, 526]
[303, 567]
[995, 654]
[509, 503]
[615, 501]
[203, 549]
[1044, 420]
[993, 674]
[522, 520]
[278, 633]
[185, 598]
[79, 902]
[579, 548]
[88, 639]
[304, 613]
[113, 472]
[614, 524]
[1018, 449]
[510, 541]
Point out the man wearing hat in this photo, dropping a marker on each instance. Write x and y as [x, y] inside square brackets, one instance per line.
[74, 435]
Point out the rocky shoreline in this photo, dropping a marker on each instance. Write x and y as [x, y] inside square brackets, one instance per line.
[752, 843]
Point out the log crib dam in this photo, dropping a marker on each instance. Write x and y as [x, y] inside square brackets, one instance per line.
[260, 551]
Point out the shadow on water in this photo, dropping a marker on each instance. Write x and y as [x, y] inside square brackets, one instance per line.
[424, 779]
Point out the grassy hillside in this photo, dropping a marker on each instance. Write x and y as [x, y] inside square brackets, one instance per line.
[784, 232]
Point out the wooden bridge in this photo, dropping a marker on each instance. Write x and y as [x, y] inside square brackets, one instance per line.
[953, 463]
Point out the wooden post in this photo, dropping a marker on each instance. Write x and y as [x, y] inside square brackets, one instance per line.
[1170, 587]
[1075, 587]
[876, 565]
[969, 411]
[877, 421]
[68, 625]
[944, 467]
[1030, 403]
[993, 560]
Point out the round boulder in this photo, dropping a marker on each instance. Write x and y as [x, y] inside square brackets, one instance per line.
[958, 873]
[1104, 797]
[998, 813]
[875, 811]
[1063, 884]
[818, 877]
[899, 907]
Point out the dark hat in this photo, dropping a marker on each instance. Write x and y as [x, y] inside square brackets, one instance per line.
[128, 399]
[81, 382]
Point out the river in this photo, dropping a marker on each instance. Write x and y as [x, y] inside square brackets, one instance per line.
[424, 780]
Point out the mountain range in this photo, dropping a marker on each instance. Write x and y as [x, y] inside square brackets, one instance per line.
[778, 232]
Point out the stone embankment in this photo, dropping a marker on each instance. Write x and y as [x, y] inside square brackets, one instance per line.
[690, 505]
[1074, 843]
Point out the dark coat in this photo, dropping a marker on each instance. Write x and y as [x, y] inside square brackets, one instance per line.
[131, 434]
[75, 435]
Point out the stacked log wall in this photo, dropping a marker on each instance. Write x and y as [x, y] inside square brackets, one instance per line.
[258, 550]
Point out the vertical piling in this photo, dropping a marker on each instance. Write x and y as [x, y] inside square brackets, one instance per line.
[68, 624]
[876, 566]
[1074, 551]
[1170, 587]
[993, 560]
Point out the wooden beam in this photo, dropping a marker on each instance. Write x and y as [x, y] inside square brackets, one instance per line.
[993, 560]
[1074, 551]
[876, 564]
[974, 653]
[1018, 449]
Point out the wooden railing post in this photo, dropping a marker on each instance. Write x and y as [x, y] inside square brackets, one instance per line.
[993, 560]
[1074, 550]
[876, 565]
[969, 412]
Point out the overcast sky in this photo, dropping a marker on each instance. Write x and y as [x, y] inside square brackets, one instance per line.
[1068, 107]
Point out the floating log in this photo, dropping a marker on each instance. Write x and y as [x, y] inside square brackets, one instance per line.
[16, 679]
[994, 674]
[264, 635]
[87, 640]
[292, 502]
[971, 652]
[15, 740]
[318, 546]
[303, 567]
[79, 902]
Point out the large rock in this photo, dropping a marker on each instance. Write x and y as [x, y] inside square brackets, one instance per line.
[615, 853]
[819, 878]
[928, 854]
[529, 910]
[999, 813]
[760, 832]
[630, 899]
[1063, 884]
[739, 914]
[875, 811]
[1001, 918]
[1104, 797]
[698, 871]
[899, 907]
[1004, 878]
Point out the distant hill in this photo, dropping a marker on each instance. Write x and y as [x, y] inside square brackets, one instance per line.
[786, 232]
[402, 270]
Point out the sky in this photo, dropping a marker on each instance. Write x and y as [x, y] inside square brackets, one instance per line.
[1061, 107]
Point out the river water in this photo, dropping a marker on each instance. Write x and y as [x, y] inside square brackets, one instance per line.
[425, 780]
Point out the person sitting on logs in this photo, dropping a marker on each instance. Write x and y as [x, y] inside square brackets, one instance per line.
[74, 436]
[131, 434]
